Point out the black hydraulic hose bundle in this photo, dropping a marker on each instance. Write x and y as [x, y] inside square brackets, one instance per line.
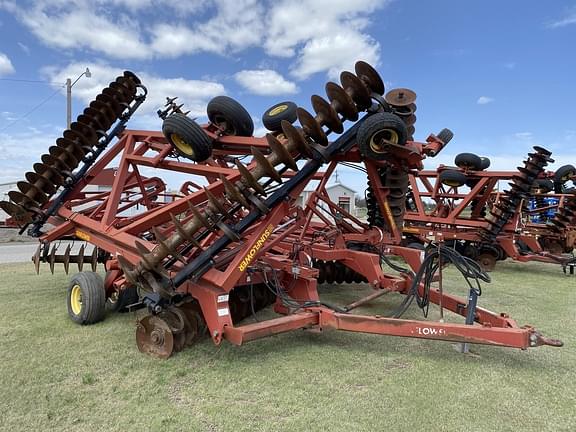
[436, 256]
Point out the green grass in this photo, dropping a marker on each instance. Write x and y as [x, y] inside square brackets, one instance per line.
[56, 375]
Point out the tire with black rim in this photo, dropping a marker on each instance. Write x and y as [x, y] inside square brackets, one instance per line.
[274, 115]
[187, 137]
[230, 116]
[561, 176]
[469, 161]
[453, 178]
[377, 131]
[86, 298]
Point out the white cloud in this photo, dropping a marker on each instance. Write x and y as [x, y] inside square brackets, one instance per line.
[323, 35]
[483, 100]
[265, 82]
[194, 94]
[336, 53]
[5, 65]
[569, 19]
[524, 135]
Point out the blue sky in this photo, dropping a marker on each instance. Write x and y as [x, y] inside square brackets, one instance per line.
[500, 74]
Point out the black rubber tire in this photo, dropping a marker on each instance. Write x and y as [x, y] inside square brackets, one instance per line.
[468, 160]
[445, 135]
[93, 298]
[416, 245]
[388, 125]
[187, 137]
[453, 178]
[128, 296]
[274, 115]
[544, 185]
[561, 177]
[225, 111]
[484, 163]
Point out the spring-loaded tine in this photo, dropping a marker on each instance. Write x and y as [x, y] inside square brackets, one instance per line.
[36, 258]
[215, 203]
[341, 101]
[281, 152]
[265, 165]
[66, 260]
[198, 215]
[233, 192]
[296, 139]
[144, 253]
[369, 77]
[326, 114]
[356, 89]
[249, 178]
[180, 228]
[311, 127]
[80, 258]
[52, 259]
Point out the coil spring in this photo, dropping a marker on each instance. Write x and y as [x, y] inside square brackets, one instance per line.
[520, 188]
[397, 182]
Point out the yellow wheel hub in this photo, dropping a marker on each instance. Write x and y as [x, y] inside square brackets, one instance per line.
[76, 299]
[386, 135]
[182, 145]
[277, 110]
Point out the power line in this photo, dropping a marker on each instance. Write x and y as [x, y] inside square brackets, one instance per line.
[30, 81]
[31, 111]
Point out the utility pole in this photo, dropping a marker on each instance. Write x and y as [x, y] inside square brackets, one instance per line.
[69, 85]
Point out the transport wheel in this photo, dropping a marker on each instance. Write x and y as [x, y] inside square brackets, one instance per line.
[453, 178]
[468, 160]
[275, 114]
[187, 137]
[229, 115]
[379, 133]
[86, 298]
[445, 135]
[561, 176]
[484, 163]
[119, 301]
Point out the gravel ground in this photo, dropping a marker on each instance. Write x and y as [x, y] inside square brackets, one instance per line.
[9, 235]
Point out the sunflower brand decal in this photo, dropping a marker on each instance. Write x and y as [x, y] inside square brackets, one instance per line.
[254, 249]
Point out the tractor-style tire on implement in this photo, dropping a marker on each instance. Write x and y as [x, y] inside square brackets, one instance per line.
[377, 132]
[274, 115]
[187, 137]
[86, 298]
[453, 178]
[561, 176]
[230, 116]
[484, 163]
[445, 135]
[468, 160]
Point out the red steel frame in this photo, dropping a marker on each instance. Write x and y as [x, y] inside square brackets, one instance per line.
[290, 241]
